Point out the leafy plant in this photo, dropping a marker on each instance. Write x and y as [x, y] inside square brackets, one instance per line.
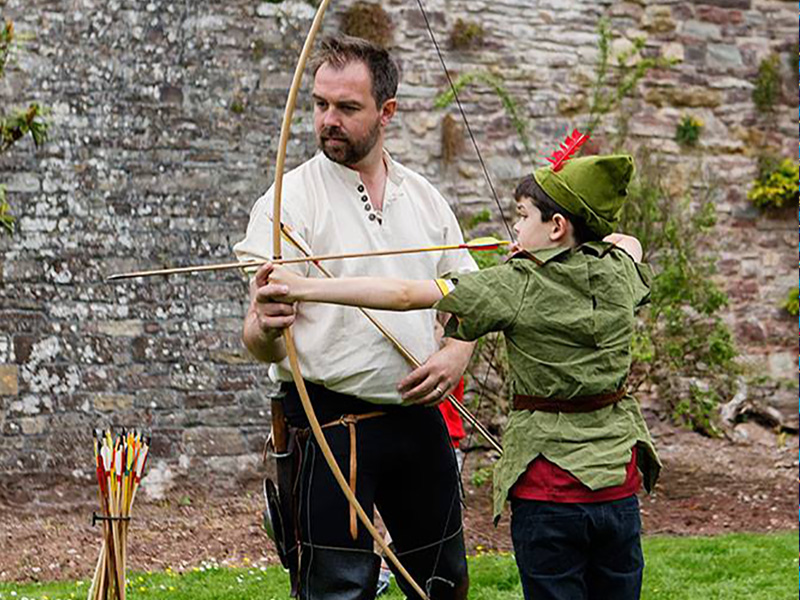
[682, 345]
[767, 89]
[688, 130]
[6, 219]
[699, 411]
[495, 84]
[791, 304]
[466, 34]
[484, 216]
[17, 124]
[614, 83]
[776, 185]
[481, 476]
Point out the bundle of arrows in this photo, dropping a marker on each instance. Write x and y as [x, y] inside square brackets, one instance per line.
[119, 462]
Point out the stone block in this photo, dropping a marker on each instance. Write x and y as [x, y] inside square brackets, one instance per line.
[683, 96]
[235, 469]
[158, 480]
[724, 57]
[783, 365]
[9, 380]
[22, 182]
[214, 441]
[731, 4]
[658, 19]
[720, 16]
[673, 51]
[30, 404]
[113, 402]
[701, 30]
[122, 328]
[33, 425]
[208, 400]
[158, 399]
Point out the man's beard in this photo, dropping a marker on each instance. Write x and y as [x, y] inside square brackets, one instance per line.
[347, 151]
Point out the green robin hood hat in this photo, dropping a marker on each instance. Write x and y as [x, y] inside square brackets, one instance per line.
[593, 188]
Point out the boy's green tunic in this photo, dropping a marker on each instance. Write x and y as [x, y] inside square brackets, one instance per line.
[567, 325]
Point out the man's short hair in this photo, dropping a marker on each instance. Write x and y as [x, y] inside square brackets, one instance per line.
[339, 51]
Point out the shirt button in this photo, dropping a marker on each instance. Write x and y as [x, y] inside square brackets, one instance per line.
[372, 217]
[367, 207]
[361, 189]
[364, 198]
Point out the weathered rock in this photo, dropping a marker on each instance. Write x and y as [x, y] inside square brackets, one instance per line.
[689, 96]
[658, 19]
[9, 380]
[159, 480]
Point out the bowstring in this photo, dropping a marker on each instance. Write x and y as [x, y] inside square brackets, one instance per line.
[464, 117]
[496, 197]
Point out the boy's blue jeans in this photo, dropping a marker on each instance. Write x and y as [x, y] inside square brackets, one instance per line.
[587, 551]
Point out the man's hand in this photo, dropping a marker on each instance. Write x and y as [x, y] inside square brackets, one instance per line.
[431, 382]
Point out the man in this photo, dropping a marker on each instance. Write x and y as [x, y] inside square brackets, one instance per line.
[350, 197]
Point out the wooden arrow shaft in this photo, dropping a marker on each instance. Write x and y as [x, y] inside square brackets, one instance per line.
[290, 261]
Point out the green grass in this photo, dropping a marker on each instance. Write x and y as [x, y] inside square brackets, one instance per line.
[732, 567]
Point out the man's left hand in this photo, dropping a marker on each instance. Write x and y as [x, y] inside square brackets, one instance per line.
[431, 382]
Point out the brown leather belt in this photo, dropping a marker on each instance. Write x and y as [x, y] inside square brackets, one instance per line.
[578, 404]
[350, 422]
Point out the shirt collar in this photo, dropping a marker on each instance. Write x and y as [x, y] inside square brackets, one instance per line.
[543, 256]
[352, 177]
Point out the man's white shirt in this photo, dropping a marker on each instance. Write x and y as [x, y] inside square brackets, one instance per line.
[328, 209]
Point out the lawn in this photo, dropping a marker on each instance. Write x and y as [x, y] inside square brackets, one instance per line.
[740, 566]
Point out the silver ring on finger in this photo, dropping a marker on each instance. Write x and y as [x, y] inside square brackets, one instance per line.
[439, 390]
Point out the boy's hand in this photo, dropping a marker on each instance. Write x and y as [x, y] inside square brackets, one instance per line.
[271, 303]
[285, 282]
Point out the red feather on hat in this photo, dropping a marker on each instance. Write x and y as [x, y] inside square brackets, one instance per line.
[568, 148]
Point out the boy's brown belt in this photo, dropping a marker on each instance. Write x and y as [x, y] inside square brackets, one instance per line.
[578, 404]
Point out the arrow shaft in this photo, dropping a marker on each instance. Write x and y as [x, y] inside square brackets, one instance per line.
[292, 261]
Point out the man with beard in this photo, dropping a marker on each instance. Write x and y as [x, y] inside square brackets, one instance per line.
[381, 421]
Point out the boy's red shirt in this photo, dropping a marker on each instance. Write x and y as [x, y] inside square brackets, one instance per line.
[547, 482]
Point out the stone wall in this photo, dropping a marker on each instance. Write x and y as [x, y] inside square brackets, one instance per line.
[165, 119]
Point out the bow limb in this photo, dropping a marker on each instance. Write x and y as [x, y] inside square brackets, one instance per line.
[291, 350]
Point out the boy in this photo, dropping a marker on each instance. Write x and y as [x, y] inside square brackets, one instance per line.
[576, 445]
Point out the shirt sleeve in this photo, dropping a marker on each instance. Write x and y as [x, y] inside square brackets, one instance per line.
[483, 301]
[257, 243]
[454, 262]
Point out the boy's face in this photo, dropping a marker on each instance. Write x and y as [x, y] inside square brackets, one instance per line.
[532, 233]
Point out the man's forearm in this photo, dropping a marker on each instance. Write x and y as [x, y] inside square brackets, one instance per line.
[265, 347]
